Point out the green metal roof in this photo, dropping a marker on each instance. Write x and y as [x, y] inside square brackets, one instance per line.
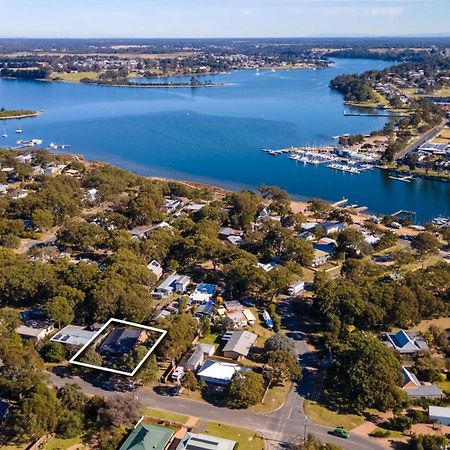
[148, 437]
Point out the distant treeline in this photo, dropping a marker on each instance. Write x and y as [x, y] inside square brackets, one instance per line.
[389, 54]
[25, 74]
[173, 45]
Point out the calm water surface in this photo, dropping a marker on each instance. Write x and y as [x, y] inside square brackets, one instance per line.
[215, 134]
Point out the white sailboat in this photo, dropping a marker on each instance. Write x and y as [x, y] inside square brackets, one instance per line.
[19, 129]
[5, 135]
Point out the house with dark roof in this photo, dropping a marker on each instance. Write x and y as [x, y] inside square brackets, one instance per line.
[406, 343]
[148, 437]
[415, 389]
[121, 341]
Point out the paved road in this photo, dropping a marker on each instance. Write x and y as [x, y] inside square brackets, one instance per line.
[286, 425]
[416, 144]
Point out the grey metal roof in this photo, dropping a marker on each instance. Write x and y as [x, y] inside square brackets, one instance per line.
[240, 342]
[424, 391]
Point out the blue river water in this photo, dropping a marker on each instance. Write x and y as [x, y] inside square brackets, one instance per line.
[215, 134]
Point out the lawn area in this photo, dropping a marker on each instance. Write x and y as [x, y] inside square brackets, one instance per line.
[74, 77]
[275, 398]
[61, 443]
[388, 251]
[323, 416]
[246, 439]
[444, 92]
[210, 339]
[260, 329]
[443, 137]
[308, 275]
[14, 447]
[420, 264]
[441, 322]
[165, 415]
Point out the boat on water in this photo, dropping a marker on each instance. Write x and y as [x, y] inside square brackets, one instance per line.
[19, 130]
[30, 142]
[441, 221]
[5, 135]
[52, 146]
[405, 178]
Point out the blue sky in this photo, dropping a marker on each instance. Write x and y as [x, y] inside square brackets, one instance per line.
[222, 18]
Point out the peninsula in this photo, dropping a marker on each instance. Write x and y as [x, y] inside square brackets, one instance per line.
[7, 114]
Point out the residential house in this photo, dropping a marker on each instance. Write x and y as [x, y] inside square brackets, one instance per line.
[194, 207]
[24, 159]
[238, 317]
[406, 343]
[121, 341]
[226, 232]
[148, 437]
[17, 194]
[234, 310]
[203, 293]
[309, 226]
[267, 267]
[156, 268]
[320, 258]
[171, 205]
[296, 287]
[205, 309]
[173, 283]
[160, 314]
[218, 372]
[197, 441]
[251, 319]
[332, 227]
[73, 335]
[35, 329]
[239, 344]
[307, 235]
[439, 414]
[235, 240]
[415, 389]
[194, 359]
[140, 232]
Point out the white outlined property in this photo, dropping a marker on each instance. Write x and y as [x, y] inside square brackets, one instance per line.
[122, 324]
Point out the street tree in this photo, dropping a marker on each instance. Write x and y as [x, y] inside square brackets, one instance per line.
[245, 389]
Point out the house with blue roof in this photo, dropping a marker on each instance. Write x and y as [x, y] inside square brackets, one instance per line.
[203, 293]
[406, 343]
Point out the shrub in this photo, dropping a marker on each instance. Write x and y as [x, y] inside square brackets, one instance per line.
[379, 433]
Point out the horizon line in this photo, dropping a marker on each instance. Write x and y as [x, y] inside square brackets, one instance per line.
[331, 36]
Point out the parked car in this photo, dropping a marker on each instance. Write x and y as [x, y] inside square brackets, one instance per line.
[340, 432]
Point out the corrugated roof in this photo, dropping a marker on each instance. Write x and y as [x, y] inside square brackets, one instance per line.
[148, 437]
[240, 342]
